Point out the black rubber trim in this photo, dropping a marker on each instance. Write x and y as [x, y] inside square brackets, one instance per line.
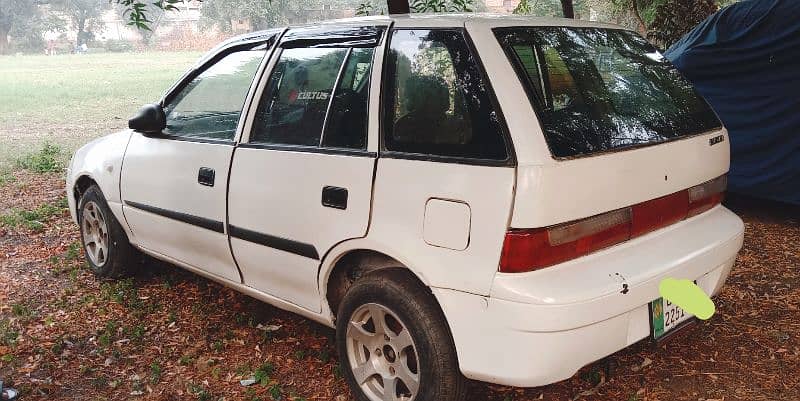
[390, 154]
[283, 244]
[310, 149]
[356, 36]
[202, 222]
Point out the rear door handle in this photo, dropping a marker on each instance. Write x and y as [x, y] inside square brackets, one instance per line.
[206, 176]
[335, 197]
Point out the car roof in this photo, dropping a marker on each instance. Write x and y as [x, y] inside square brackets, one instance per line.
[435, 20]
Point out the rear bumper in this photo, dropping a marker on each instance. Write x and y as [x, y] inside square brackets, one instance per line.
[541, 327]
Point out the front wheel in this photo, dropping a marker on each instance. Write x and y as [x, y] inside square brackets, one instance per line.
[394, 343]
[105, 244]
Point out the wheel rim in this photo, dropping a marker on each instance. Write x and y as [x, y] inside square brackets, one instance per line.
[382, 354]
[95, 233]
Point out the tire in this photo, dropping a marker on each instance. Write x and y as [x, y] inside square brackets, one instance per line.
[371, 361]
[105, 244]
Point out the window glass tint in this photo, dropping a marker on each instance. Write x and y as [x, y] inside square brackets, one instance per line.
[292, 109]
[209, 107]
[597, 89]
[438, 102]
[346, 126]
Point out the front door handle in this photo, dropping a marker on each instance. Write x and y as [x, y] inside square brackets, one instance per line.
[335, 197]
[206, 176]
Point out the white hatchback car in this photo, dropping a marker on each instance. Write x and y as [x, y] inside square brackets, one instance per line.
[460, 196]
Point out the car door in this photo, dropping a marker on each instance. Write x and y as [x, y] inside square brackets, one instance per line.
[302, 182]
[174, 185]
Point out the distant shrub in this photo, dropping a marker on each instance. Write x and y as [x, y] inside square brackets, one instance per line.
[45, 160]
[118, 46]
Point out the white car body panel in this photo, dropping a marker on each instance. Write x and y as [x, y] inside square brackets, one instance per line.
[278, 193]
[445, 222]
[163, 174]
[547, 324]
[597, 184]
[402, 190]
[101, 160]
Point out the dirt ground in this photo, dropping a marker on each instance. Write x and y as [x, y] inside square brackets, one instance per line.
[166, 334]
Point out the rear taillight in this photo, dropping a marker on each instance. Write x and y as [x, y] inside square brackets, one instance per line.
[707, 195]
[532, 249]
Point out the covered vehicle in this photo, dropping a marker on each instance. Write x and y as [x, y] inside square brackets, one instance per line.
[745, 60]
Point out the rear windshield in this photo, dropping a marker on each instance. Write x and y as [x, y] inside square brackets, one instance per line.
[597, 90]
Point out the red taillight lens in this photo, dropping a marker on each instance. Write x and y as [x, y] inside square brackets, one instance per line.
[527, 250]
[652, 215]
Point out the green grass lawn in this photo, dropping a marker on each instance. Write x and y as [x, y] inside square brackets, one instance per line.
[70, 99]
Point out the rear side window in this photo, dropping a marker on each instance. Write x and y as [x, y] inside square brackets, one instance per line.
[437, 100]
[316, 97]
[210, 105]
[598, 90]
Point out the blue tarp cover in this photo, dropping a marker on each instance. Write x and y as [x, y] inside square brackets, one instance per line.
[745, 60]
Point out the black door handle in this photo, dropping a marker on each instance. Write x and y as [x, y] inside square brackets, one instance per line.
[335, 197]
[206, 176]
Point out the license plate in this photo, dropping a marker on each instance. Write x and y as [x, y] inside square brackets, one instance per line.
[666, 316]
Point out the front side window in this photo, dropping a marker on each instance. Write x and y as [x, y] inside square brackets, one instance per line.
[316, 97]
[438, 102]
[210, 105]
[597, 90]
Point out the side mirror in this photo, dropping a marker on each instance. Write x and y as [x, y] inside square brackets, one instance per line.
[150, 120]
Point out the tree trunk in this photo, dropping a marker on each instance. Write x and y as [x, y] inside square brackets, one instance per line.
[81, 26]
[635, 9]
[3, 40]
[568, 8]
[398, 6]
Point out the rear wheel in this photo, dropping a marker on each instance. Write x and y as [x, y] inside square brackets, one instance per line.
[394, 343]
[108, 252]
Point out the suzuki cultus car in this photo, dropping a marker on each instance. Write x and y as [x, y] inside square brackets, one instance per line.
[460, 196]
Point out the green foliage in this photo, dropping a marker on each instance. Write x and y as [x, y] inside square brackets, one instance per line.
[275, 392]
[6, 178]
[8, 336]
[186, 360]
[137, 332]
[32, 219]
[442, 6]
[673, 19]
[22, 311]
[365, 9]
[104, 340]
[24, 21]
[45, 160]
[549, 8]
[262, 374]
[117, 46]
[140, 13]
[84, 16]
[201, 393]
[119, 291]
[155, 372]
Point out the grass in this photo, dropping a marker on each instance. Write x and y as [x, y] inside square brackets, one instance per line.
[32, 219]
[261, 375]
[46, 160]
[70, 99]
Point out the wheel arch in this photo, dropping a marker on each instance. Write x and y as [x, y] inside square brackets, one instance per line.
[350, 260]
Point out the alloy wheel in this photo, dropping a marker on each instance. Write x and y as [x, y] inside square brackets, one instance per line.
[95, 233]
[382, 354]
